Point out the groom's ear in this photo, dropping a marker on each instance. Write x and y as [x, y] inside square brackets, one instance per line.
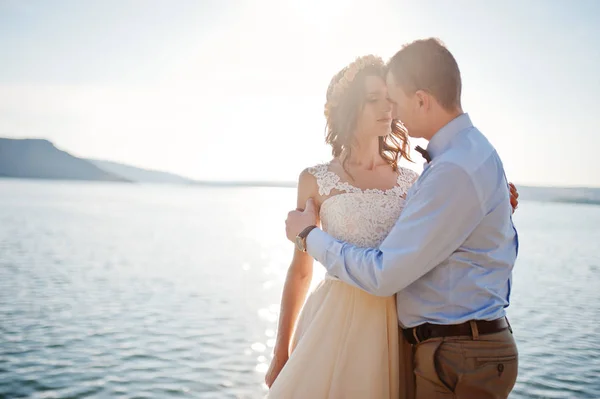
[422, 98]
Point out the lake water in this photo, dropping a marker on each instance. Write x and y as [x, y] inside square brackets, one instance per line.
[148, 291]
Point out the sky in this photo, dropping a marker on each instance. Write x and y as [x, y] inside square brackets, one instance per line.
[234, 90]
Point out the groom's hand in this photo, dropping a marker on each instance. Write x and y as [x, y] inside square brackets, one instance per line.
[300, 219]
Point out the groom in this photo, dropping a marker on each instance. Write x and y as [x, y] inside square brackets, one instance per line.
[449, 257]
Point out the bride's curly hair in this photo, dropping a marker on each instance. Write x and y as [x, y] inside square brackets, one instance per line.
[346, 97]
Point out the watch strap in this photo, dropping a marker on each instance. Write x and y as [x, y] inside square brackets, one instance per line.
[304, 233]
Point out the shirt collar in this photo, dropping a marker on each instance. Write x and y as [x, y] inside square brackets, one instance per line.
[442, 139]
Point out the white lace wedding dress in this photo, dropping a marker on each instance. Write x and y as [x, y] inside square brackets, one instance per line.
[346, 343]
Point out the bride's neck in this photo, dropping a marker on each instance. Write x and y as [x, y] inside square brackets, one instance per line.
[364, 154]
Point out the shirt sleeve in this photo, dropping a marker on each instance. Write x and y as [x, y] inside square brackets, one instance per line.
[437, 218]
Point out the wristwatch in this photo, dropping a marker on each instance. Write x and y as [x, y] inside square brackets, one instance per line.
[301, 238]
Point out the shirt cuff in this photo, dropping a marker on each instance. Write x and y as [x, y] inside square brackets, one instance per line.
[317, 243]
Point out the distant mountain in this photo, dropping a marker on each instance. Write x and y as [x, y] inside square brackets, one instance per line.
[40, 159]
[138, 174]
[577, 195]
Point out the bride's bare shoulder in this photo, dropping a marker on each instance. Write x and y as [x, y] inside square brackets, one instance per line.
[309, 182]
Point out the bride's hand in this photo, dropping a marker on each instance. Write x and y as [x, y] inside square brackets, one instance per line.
[514, 197]
[279, 360]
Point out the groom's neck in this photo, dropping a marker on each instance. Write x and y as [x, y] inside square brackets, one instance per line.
[440, 119]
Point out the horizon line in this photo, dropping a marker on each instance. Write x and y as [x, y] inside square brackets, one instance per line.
[247, 182]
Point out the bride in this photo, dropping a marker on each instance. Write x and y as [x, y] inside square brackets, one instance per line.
[345, 342]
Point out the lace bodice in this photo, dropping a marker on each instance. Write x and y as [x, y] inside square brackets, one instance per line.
[360, 217]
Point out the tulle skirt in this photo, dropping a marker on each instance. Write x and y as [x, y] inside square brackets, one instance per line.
[346, 345]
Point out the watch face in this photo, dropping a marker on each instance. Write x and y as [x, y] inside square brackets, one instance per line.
[300, 244]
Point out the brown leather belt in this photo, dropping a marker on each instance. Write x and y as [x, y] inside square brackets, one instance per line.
[427, 331]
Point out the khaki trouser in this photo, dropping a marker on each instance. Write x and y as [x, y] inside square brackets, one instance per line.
[478, 367]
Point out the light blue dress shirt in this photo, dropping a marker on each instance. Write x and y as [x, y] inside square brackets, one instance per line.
[450, 255]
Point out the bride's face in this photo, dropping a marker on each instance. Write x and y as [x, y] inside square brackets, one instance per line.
[375, 117]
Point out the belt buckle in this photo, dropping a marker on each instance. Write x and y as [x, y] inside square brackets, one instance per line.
[415, 335]
[421, 333]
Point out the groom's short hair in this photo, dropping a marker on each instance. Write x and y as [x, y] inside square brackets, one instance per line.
[428, 65]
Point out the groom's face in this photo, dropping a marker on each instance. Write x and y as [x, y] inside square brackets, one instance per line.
[405, 108]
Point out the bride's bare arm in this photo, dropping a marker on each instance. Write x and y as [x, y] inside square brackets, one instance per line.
[295, 289]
